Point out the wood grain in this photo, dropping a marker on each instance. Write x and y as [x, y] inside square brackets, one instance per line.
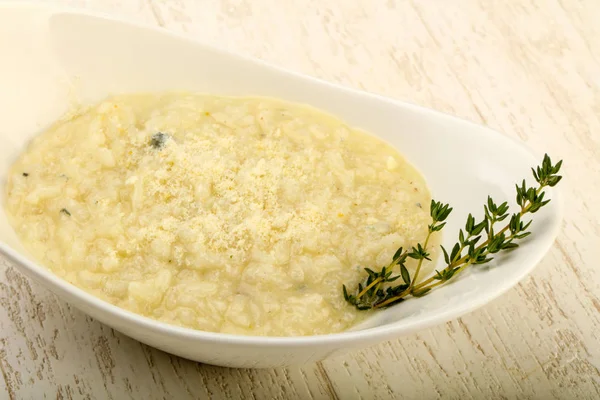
[530, 69]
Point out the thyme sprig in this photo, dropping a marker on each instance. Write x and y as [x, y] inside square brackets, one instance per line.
[476, 245]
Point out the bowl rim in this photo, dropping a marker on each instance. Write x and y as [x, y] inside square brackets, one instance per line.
[394, 329]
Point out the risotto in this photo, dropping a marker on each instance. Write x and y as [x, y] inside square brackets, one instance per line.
[233, 215]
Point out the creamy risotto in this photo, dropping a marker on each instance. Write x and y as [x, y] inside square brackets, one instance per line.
[235, 215]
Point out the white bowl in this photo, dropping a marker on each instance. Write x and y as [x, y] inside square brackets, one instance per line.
[51, 57]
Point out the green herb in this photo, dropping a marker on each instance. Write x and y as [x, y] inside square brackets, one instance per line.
[158, 140]
[65, 211]
[476, 244]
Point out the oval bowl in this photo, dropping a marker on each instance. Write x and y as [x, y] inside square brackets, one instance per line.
[53, 57]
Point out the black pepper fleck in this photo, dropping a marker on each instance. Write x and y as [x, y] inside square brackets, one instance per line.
[25, 174]
[65, 211]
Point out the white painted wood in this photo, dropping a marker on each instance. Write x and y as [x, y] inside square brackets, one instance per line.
[528, 68]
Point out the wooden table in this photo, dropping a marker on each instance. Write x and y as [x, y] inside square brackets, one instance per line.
[530, 69]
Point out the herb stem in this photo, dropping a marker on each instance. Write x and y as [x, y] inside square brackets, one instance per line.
[366, 289]
[390, 300]
[438, 283]
[414, 279]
